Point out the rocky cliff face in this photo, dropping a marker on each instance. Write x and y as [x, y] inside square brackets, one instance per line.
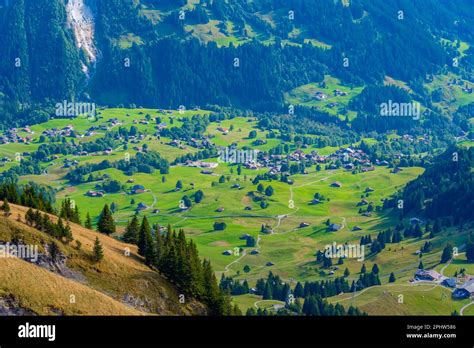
[80, 18]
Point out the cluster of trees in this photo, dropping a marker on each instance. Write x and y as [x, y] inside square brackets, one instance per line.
[70, 211]
[327, 288]
[313, 294]
[448, 179]
[233, 287]
[200, 155]
[141, 163]
[272, 288]
[111, 139]
[178, 259]
[30, 195]
[25, 167]
[192, 127]
[42, 222]
[313, 306]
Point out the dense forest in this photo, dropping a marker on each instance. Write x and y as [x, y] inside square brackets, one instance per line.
[169, 72]
[446, 189]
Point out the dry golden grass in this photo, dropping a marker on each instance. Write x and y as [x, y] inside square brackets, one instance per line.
[121, 272]
[47, 293]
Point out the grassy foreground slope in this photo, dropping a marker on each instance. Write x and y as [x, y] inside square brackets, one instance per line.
[46, 293]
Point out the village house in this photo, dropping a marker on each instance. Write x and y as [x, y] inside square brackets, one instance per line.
[92, 193]
[137, 189]
[429, 275]
[464, 291]
[142, 206]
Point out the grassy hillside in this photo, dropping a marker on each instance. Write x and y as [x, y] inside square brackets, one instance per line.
[119, 276]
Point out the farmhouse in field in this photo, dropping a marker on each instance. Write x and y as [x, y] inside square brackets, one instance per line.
[227, 252]
[449, 282]
[304, 224]
[137, 189]
[334, 227]
[92, 193]
[464, 291]
[142, 206]
[430, 275]
[336, 184]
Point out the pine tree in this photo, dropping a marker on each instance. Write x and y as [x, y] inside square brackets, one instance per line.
[447, 254]
[145, 243]
[159, 246]
[346, 272]
[67, 234]
[194, 267]
[375, 269]
[106, 222]
[392, 278]
[131, 231]
[212, 295]
[420, 265]
[267, 293]
[98, 251]
[363, 269]
[6, 207]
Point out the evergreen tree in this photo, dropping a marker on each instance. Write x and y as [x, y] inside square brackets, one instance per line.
[267, 293]
[447, 253]
[269, 191]
[212, 295]
[98, 251]
[88, 224]
[132, 231]
[392, 278]
[106, 222]
[6, 207]
[346, 272]
[145, 243]
[298, 292]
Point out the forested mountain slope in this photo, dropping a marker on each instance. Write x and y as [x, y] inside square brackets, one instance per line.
[282, 44]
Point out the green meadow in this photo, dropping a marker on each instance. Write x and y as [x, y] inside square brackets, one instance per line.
[289, 250]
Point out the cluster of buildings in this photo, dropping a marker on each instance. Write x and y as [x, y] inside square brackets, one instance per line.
[92, 193]
[460, 291]
[12, 136]
[64, 132]
[348, 157]
[200, 164]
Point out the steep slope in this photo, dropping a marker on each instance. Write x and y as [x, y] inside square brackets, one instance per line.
[31, 288]
[121, 276]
